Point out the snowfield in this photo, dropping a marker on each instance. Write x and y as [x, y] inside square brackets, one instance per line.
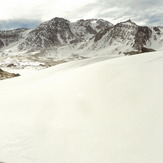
[89, 111]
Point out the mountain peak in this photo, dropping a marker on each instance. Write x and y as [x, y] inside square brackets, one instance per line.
[58, 19]
[53, 22]
[129, 23]
[129, 20]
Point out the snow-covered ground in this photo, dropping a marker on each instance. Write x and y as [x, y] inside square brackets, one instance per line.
[89, 111]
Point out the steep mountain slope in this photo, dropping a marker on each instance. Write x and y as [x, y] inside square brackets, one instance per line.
[108, 112]
[128, 37]
[10, 39]
[86, 29]
[58, 32]
[11, 36]
[55, 32]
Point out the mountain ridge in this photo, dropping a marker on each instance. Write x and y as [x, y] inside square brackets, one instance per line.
[60, 40]
[59, 32]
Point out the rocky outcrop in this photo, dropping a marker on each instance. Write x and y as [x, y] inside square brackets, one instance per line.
[6, 75]
[142, 35]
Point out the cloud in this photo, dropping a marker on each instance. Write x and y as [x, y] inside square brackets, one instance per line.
[39, 9]
[23, 23]
[143, 12]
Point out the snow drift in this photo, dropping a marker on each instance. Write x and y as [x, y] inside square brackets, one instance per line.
[85, 112]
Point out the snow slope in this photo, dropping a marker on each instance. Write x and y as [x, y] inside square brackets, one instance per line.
[85, 112]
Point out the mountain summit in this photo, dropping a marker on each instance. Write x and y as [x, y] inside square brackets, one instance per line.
[58, 32]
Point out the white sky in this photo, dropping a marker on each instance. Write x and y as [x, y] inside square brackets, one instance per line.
[142, 12]
[40, 9]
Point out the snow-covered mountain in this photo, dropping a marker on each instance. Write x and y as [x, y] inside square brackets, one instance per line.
[128, 38]
[55, 32]
[94, 33]
[59, 40]
[59, 32]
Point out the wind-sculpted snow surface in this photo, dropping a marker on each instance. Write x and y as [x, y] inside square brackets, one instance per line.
[86, 111]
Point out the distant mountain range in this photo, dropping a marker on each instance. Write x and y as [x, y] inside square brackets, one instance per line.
[63, 40]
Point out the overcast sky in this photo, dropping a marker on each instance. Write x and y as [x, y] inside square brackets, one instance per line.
[29, 13]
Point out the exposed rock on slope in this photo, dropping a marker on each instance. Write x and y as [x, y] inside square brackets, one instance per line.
[5, 75]
[9, 36]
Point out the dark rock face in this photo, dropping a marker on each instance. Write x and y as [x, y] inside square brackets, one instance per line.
[142, 36]
[144, 50]
[99, 35]
[1, 44]
[156, 29]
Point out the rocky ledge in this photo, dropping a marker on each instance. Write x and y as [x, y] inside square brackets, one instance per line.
[6, 75]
